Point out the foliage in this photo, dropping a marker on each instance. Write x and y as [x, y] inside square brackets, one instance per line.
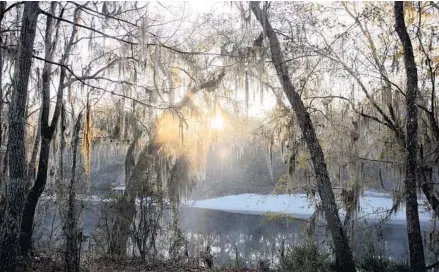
[374, 257]
[374, 264]
[307, 258]
[151, 80]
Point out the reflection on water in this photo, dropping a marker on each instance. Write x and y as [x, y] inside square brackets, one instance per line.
[239, 238]
[242, 239]
[246, 238]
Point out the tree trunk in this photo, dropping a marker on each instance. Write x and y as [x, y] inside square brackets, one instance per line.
[16, 187]
[343, 253]
[417, 261]
[32, 198]
[72, 259]
[2, 10]
[46, 137]
[32, 167]
[2, 178]
[179, 174]
[429, 192]
[125, 212]
[47, 131]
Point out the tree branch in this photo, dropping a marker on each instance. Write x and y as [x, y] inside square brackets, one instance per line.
[87, 27]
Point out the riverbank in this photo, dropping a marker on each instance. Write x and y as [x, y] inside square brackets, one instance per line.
[375, 207]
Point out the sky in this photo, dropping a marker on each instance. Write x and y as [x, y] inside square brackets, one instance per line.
[201, 6]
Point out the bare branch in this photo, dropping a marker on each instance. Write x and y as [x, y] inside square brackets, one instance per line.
[87, 27]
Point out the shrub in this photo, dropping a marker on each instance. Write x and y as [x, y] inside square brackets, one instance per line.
[374, 264]
[307, 258]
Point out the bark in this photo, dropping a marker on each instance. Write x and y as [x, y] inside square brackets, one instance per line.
[16, 187]
[427, 185]
[47, 131]
[416, 250]
[33, 161]
[432, 198]
[62, 144]
[2, 184]
[126, 214]
[2, 9]
[72, 259]
[178, 174]
[343, 252]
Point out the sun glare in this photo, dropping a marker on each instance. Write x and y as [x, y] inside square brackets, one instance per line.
[201, 6]
[217, 122]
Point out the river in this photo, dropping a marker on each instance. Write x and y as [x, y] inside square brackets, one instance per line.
[246, 228]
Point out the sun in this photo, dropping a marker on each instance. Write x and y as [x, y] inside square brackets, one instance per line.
[217, 121]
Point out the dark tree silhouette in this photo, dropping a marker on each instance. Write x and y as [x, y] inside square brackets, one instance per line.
[417, 261]
[17, 183]
[343, 252]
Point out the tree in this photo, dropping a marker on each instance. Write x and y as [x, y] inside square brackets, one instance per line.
[138, 175]
[417, 261]
[72, 256]
[46, 130]
[343, 252]
[65, 80]
[390, 91]
[17, 183]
